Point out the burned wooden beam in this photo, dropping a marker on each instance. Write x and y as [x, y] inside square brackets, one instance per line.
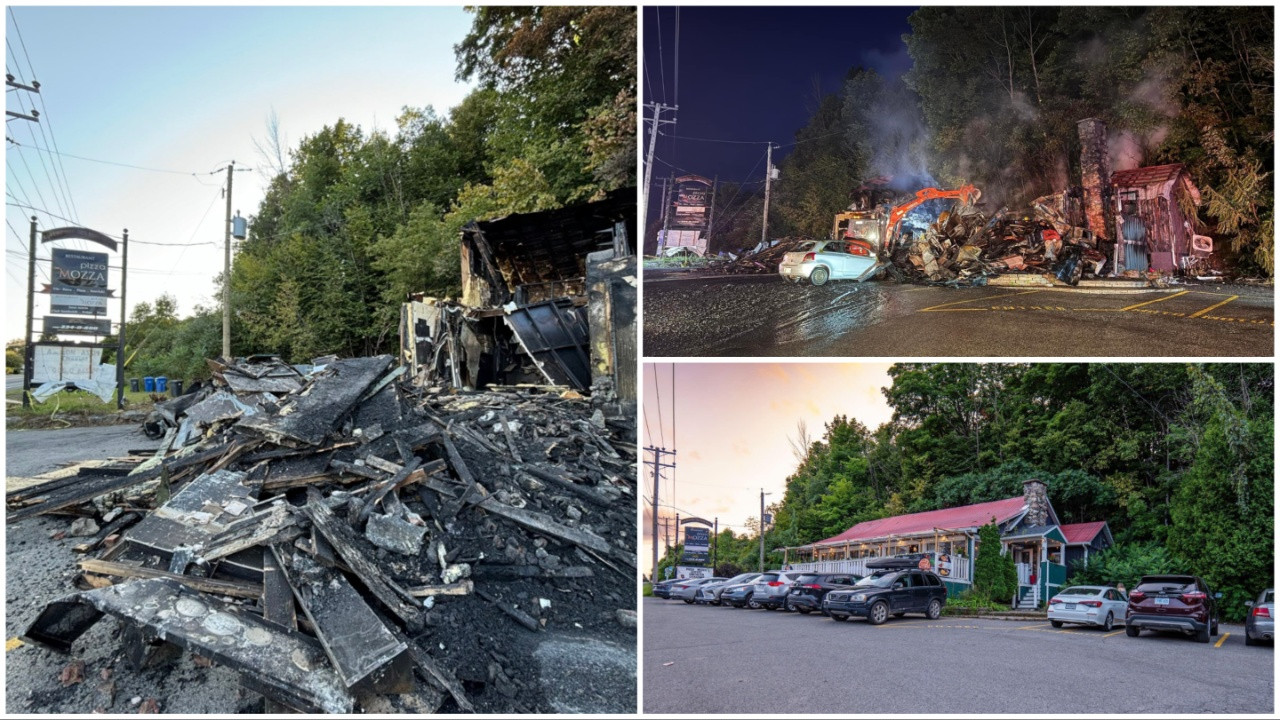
[513, 612]
[310, 417]
[280, 665]
[433, 672]
[565, 483]
[353, 637]
[344, 542]
[229, 588]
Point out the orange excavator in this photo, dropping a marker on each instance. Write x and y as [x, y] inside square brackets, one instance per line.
[879, 230]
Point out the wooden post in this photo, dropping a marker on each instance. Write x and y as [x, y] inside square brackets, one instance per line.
[29, 352]
[124, 310]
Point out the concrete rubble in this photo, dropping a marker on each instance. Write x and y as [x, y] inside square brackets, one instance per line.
[337, 535]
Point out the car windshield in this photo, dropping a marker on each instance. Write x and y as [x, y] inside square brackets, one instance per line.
[1079, 591]
[742, 578]
[1269, 596]
[767, 578]
[805, 246]
[882, 578]
[1168, 585]
[807, 579]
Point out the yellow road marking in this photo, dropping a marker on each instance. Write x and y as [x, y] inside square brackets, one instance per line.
[1214, 307]
[1030, 627]
[1149, 302]
[1222, 640]
[13, 644]
[1112, 633]
[993, 297]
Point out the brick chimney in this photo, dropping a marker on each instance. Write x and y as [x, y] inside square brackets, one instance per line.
[1036, 494]
[1095, 178]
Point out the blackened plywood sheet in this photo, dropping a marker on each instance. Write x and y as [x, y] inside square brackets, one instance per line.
[308, 418]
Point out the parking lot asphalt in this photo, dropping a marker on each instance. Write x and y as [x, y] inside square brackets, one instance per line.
[762, 316]
[704, 659]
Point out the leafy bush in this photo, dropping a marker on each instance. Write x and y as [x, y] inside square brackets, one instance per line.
[972, 600]
[12, 362]
[1125, 564]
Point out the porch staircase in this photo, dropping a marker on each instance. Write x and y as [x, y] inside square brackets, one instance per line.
[1028, 597]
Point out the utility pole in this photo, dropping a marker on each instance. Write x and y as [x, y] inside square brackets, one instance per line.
[666, 212]
[715, 543]
[762, 494]
[34, 87]
[657, 465]
[226, 274]
[656, 110]
[29, 352]
[768, 179]
[124, 306]
[711, 215]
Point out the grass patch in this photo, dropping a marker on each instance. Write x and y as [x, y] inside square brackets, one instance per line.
[647, 589]
[968, 601]
[73, 403]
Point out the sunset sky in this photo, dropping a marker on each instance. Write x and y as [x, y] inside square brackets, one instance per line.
[731, 425]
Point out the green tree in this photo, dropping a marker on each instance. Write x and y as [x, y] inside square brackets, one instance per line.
[994, 575]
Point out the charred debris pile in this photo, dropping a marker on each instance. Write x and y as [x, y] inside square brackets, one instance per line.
[342, 539]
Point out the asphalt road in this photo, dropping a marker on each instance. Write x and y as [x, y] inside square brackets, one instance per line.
[762, 316]
[703, 659]
[32, 452]
[12, 382]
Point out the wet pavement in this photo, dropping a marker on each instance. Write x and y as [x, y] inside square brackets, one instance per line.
[762, 316]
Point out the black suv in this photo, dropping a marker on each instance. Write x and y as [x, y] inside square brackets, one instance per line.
[896, 587]
[809, 589]
[1173, 602]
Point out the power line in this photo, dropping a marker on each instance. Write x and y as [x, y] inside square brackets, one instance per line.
[132, 241]
[124, 165]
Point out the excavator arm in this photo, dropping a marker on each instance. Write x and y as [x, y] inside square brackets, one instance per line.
[967, 195]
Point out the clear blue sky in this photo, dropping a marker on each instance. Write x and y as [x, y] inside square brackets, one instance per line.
[188, 89]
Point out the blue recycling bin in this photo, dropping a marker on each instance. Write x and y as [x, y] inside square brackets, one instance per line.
[149, 384]
[162, 384]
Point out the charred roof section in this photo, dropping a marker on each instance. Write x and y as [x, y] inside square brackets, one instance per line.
[529, 257]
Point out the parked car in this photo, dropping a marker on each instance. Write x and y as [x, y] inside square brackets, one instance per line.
[818, 261]
[685, 589]
[1173, 602]
[1261, 624]
[1088, 605]
[711, 592]
[740, 595]
[896, 587]
[809, 589]
[770, 589]
[662, 588]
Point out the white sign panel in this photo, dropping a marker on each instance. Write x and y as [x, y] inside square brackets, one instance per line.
[79, 305]
[60, 363]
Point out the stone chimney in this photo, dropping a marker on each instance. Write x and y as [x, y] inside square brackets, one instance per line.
[1036, 494]
[1095, 178]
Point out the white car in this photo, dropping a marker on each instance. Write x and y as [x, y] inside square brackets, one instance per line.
[818, 261]
[1088, 605]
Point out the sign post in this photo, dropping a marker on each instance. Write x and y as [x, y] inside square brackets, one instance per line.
[77, 286]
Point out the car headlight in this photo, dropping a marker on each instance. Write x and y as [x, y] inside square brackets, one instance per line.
[859, 597]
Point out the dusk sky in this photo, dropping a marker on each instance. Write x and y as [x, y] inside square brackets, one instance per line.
[748, 74]
[181, 91]
[731, 426]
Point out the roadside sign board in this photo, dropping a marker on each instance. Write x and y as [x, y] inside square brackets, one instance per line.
[697, 545]
[61, 325]
[65, 363]
[76, 272]
[686, 572]
[79, 304]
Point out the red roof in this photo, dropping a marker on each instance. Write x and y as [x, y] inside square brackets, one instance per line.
[1081, 532]
[923, 522]
[1139, 177]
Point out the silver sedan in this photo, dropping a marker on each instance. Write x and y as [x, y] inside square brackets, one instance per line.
[685, 589]
[1088, 605]
[1261, 624]
[821, 260]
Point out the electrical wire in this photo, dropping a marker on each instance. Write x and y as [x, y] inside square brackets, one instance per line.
[128, 165]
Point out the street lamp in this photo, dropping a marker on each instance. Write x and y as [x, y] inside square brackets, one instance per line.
[762, 494]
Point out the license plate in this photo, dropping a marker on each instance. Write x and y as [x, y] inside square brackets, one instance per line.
[1162, 601]
[1070, 606]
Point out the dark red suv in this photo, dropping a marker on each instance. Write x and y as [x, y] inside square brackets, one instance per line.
[1173, 602]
